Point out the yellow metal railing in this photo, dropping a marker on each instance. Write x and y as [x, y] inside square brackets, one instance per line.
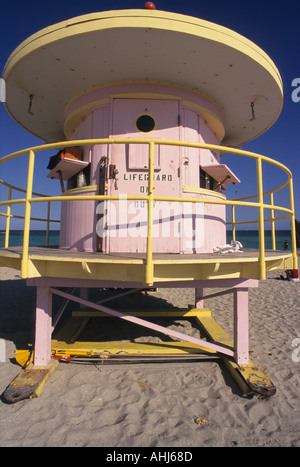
[9, 215]
[151, 198]
[272, 219]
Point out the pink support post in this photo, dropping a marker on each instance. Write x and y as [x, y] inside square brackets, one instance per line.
[241, 326]
[198, 295]
[43, 326]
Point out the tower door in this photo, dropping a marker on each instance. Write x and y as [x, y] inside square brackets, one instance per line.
[128, 172]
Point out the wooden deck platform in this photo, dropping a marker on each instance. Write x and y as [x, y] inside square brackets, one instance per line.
[130, 267]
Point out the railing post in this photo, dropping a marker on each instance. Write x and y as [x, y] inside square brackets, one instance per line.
[233, 222]
[273, 222]
[293, 226]
[149, 259]
[8, 212]
[24, 263]
[48, 224]
[261, 226]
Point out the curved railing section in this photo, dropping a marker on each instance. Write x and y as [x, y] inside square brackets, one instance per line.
[8, 215]
[256, 201]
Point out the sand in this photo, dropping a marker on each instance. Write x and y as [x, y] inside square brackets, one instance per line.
[157, 405]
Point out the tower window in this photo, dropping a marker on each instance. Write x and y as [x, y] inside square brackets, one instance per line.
[206, 181]
[145, 123]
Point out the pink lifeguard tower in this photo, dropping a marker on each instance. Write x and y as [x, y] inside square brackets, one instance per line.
[151, 100]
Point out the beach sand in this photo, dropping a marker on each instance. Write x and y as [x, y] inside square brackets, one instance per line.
[156, 405]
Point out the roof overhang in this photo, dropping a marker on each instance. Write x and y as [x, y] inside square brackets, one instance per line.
[69, 58]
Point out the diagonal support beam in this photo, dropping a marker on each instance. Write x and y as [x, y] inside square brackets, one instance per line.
[128, 292]
[144, 323]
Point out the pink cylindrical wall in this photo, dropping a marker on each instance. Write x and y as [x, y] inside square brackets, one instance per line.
[177, 114]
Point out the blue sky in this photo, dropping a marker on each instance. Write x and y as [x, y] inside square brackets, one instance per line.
[274, 29]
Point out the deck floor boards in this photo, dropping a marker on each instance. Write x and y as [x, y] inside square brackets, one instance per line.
[133, 267]
[174, 257]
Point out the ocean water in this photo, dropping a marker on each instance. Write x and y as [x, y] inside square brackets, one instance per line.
[36, 238]
[248, 238]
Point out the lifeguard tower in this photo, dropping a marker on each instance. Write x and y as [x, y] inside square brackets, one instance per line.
[139, 106]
